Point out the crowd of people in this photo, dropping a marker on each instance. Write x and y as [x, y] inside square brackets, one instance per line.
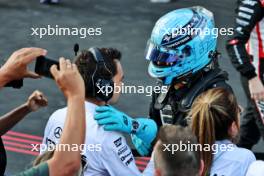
[193, 128]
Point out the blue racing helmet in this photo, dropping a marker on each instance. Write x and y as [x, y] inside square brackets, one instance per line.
[180, 43]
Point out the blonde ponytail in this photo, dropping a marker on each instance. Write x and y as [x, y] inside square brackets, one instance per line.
[212, 114]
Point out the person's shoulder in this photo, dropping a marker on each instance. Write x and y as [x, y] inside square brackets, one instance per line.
[242, 154]
[57, 119]
[256, 169]
[243, 158]
[59, 111]
[244, 151]
[233, 161]
[59, 114]
[110, 140]
[115, 147]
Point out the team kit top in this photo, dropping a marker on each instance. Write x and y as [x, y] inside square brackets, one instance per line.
[107, 152]
[246, 48]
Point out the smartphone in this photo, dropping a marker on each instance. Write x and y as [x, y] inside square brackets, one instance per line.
[43, 65]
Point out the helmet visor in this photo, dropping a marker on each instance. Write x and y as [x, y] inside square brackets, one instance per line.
[158, 54]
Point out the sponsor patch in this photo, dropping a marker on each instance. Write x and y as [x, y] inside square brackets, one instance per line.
[123, 158]
[122, 150]
[129, 161]
[118, 142]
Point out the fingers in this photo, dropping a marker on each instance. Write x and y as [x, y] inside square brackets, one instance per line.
[33, 75]
[103, 108]
[43, 102]
[42, 99]
[111, 127]
[106, 121]
[54, 71]
[102, 115]
[74, 67]
[63, 64]
[39, 98]
[30, 54]
[37, 94]
[68, 63]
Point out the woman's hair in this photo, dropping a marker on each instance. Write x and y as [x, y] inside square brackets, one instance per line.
[43, 157]
[213, 113]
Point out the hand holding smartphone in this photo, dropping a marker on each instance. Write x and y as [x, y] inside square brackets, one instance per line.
[43, 65]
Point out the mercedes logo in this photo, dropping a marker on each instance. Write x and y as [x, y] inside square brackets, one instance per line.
[57, 132]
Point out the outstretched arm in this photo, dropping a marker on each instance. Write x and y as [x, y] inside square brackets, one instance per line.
[66, 162]
[34, 102]
[143, 130]
[236, 45]
[70, 82]
[248, 15]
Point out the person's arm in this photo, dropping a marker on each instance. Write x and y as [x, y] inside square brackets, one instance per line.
[64, 162]
[71, 83]
[16, 66]
[3, 78]
[144, 129]
[34, 102]
[236, 46]
[115, 148]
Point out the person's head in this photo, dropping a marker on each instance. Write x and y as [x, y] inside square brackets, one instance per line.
[215, 116]
[90, 70]
[172, 162]
[178, 46]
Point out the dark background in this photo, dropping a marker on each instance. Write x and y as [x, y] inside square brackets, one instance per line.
[126, 25]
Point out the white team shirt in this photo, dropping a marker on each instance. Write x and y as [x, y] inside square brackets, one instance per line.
[256, 169]
[109, 153]
[231, 163]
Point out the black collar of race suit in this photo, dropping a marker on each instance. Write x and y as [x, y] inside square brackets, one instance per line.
[206, 81]
[186, 95]
[189, 79]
